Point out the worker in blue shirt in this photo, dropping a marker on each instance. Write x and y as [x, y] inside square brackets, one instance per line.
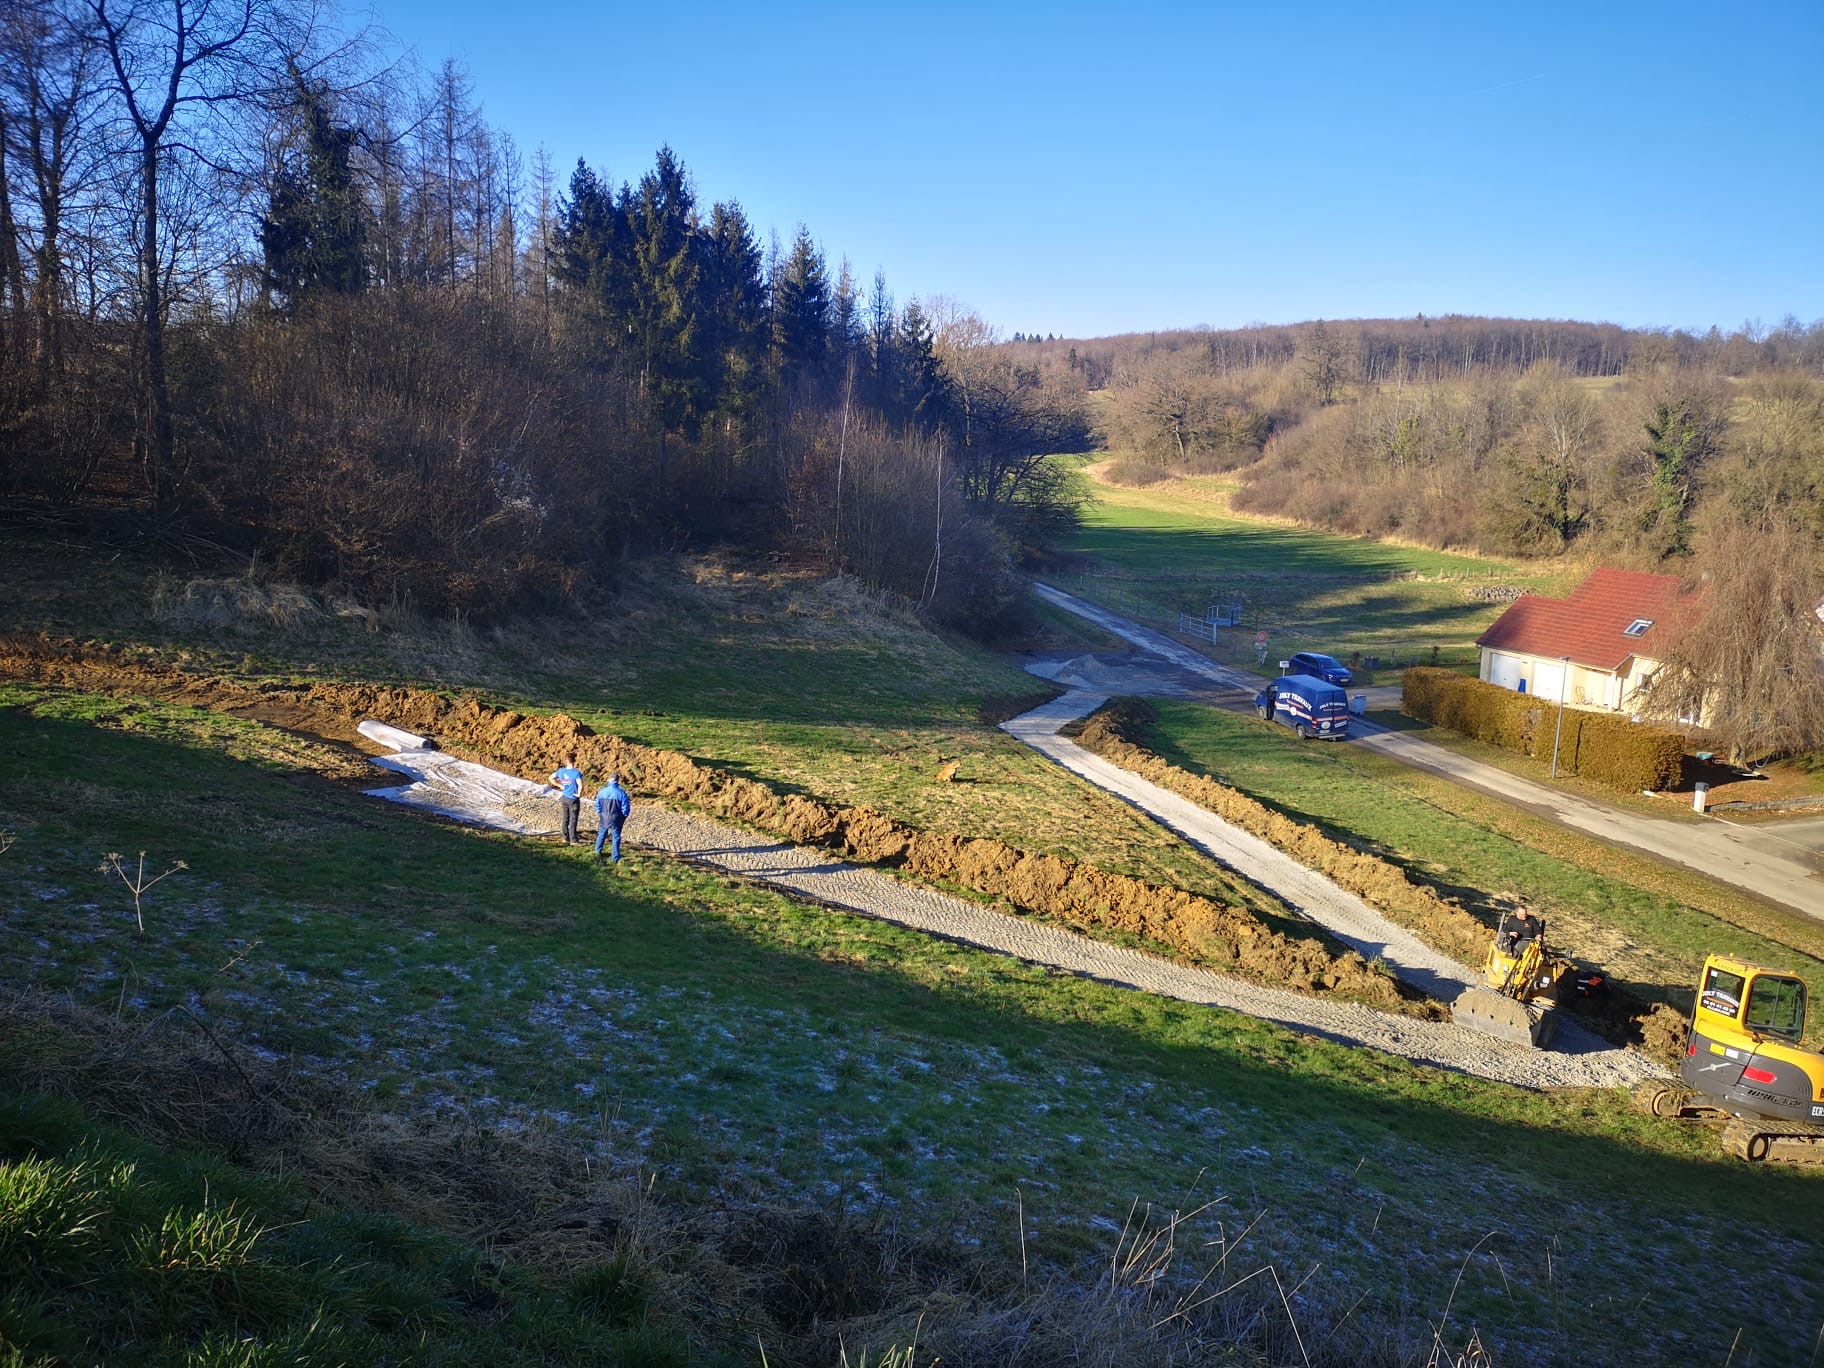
[568, 781]
[611, 808]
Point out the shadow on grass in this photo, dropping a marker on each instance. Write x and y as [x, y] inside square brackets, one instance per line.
[1286, 1115]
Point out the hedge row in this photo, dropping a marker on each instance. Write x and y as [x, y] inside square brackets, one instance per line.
[1600, 746]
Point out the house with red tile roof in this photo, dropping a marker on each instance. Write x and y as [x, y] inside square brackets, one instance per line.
[1592, 649]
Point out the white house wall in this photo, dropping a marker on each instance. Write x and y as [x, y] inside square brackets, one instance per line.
[1544, 678]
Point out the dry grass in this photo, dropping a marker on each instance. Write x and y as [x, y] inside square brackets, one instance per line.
[807, 1285]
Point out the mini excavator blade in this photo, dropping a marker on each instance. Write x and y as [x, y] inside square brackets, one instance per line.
[1506, 1018]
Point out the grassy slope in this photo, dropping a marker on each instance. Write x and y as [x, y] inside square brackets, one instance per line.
[745, 1048]
[1646, 922]
[1176, 546]
[805, 684]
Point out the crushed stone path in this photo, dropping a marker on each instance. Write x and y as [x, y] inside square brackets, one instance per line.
[1311, 894]
[815, 875]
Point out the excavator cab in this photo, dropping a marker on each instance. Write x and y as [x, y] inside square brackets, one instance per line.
[1745, 1060]
[1743, 1048]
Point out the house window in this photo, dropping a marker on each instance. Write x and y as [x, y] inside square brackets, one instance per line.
[1637, 628]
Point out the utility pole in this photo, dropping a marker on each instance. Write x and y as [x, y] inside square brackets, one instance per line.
[1564, 687]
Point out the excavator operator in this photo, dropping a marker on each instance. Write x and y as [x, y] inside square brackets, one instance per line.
[1519, 927]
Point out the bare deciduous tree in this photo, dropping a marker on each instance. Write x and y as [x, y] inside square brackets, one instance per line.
[1754, 655]
[178, 66]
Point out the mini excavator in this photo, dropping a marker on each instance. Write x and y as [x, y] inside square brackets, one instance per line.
[1744, 1062]
[1518, 999]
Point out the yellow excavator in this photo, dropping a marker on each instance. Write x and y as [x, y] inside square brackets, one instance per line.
[1521, 978]
[1744, 1061]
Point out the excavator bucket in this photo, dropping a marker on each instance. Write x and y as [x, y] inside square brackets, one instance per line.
[1496, 1014]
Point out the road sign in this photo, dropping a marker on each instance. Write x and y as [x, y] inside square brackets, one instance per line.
[1260, 638]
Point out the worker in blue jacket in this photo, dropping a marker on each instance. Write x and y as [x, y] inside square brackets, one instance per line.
[611, 808]
[568, 781]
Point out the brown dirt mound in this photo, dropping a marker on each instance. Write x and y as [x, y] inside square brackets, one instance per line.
[1111, 732]
[1199, 929]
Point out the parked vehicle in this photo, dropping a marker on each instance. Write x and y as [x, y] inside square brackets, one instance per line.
[1308, 705]
[1327, 668]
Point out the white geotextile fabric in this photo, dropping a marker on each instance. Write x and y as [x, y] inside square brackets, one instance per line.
[450, 787]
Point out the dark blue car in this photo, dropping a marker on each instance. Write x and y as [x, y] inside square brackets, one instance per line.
[1327, 668]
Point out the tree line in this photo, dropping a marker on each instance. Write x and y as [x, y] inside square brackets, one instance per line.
[265, 292]
[1701, 457]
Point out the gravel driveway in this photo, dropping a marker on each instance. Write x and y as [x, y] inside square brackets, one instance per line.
[1578, 1059]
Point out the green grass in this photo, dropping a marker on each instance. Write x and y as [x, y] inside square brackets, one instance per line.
[1646, 922]
[119, 1251]
[1175, 548]
[742, 1048]
[814, 687]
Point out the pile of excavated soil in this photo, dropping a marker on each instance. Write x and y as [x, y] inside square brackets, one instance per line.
[1201, 930]
[1111, 732]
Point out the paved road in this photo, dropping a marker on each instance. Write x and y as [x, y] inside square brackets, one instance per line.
[1753, 859]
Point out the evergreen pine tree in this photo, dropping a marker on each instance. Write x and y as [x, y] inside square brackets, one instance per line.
[801, 307]
[921, 390]
[881, 320]
[591, 258]
[314, 233]
[667, 280]
[735, 308]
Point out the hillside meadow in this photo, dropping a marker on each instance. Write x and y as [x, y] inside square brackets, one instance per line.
[753, 1124]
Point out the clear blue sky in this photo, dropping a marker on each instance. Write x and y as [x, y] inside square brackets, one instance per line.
[1085, 169]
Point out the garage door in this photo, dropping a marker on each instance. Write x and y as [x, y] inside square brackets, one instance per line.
[1505, 670]
[1548, 680]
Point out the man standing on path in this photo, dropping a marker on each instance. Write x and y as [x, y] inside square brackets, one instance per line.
[611, 808]
[569, 784]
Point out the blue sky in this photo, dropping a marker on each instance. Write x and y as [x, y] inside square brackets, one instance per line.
[1085, 169]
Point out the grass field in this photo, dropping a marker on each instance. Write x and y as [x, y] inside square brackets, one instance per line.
[729, 1050]
[744, 1049]
[1648, 923]
[813, 685]
[1177, 547]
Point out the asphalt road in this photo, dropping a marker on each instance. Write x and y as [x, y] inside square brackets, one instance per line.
[1757, 860]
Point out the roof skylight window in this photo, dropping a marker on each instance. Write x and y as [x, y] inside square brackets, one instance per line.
[1637, 628]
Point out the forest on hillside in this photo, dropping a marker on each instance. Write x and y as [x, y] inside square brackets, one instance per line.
[267, 293]
[270, 295]
[1700, 456]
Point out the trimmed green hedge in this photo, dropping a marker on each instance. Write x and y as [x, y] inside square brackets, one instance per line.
[1600, 746]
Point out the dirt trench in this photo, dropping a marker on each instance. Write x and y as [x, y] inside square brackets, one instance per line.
[1201, 930]
[1112, 732]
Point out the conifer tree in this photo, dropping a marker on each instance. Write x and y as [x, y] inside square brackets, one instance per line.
[801, 307]
[591, 259]
[314, 232]
[734, 300]
[667, 270]
[920, 390]
[881, 320]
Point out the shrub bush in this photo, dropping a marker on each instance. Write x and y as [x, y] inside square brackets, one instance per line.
[1599, 746]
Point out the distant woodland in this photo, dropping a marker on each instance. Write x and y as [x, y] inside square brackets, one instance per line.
[1693, 455]
[266, 295]
[270, 296]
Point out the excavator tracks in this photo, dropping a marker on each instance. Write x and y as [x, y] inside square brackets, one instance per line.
[1783, 1142]
[1674, 1101]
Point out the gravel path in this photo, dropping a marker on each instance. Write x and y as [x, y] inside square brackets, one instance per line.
[815, 875]
[1577, 1056]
